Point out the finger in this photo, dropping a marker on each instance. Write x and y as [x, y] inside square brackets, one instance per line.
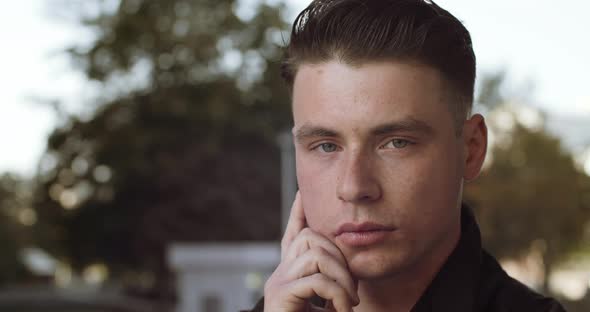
[295, 224]
[318, 284]
[308, 239]
[318, 260]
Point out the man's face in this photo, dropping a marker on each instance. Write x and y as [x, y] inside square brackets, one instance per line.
[376, 147]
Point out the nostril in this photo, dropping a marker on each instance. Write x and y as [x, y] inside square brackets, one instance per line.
[358, 182]
[365, 192]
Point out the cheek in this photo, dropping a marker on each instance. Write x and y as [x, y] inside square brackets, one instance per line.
[446, 175]
[427, 188]
[317, 185]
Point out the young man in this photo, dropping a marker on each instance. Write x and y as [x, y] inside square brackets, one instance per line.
[382, 94]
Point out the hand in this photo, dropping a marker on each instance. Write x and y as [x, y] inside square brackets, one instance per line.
[311, 265]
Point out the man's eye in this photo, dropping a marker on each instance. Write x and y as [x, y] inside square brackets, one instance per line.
[327, 147]
[397, 143]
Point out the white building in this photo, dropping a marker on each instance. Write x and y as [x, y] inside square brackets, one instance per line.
[221, 277]
[230, 277]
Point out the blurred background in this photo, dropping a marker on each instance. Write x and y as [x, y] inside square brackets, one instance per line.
[143, 162]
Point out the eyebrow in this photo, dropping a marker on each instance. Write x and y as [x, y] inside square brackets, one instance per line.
[407, 125]
[307, 131]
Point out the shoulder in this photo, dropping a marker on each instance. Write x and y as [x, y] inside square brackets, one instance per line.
[499, 292]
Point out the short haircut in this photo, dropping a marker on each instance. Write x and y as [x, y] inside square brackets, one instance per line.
[360, 31]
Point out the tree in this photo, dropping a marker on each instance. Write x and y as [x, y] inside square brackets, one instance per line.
[15, 218]
[188, 154]
[532, 194]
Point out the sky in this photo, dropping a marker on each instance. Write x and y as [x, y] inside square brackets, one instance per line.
[33, 67]
[540, 43]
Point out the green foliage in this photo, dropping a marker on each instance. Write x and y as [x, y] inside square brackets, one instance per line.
[532, 192]
[532, 195]
[13, 235]
[188, 154]
[532, 198]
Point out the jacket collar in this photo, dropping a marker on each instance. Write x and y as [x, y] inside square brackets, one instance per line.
[454, 287]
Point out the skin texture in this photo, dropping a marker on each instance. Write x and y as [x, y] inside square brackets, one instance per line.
[374, 143]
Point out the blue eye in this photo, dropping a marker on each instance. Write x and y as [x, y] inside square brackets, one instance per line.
[397, 143]
[328, 147]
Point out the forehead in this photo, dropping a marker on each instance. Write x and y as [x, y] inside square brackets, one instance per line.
[340, 95]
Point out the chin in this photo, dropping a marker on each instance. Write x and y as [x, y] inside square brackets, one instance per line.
[369, 265]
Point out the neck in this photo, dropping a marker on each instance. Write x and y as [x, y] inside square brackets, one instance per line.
[400, 292]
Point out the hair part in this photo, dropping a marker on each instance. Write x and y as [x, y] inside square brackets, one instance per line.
[355, 32]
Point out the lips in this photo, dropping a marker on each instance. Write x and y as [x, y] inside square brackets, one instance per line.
[362, 227]
[362, 234]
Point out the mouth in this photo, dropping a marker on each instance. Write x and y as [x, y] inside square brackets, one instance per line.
[362, 234]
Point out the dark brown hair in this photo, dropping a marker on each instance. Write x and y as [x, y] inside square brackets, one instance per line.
[357, 31]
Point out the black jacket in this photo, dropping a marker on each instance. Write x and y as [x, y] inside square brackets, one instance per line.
[471, 280]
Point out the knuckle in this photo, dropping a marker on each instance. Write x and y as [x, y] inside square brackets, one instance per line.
[284, 243]
[318, 277]
[275, 279]
[287, 238]
[322, 279]
[306, 232]
[319, 253]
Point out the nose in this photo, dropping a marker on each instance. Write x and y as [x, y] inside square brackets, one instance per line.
[358, 183]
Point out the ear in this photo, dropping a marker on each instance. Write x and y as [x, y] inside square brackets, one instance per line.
[475, 143]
